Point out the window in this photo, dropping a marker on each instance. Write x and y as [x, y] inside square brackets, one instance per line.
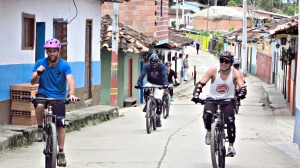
[60, 33]
[28, 29]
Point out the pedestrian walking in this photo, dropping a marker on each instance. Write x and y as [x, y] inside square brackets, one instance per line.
[185, 67]
[197, 47]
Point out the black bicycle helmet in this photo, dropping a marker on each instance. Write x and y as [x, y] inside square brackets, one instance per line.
[168, 64]
[154, 59]
[236, 62]
[227, 54]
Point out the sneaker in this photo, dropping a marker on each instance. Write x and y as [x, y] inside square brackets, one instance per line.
[158, 122]
[40, 135]
[61, 159]
[207, 138]
[231, 151]
[172, 98]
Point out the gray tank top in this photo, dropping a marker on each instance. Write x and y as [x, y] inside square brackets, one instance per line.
[222, 89]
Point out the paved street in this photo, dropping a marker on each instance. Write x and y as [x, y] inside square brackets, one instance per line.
[263, 137]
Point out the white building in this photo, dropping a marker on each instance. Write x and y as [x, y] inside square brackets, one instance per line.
[26, 25]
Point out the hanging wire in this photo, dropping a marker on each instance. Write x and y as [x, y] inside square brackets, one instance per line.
[76, 12]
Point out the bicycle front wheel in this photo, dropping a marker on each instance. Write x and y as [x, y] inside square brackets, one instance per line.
[50, 150]
[166, 105]
[217, 145]
[151, 106]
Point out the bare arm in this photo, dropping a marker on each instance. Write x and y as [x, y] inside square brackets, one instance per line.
[206, 77]
[71, 83]
[239, 78]
[34, 78]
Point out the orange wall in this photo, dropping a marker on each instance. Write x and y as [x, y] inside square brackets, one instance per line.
[217, 24]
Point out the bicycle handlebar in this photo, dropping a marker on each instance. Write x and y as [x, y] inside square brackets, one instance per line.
[66, 100]
[158, 87]
[196, 99]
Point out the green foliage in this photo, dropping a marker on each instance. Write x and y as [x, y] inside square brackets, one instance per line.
[220, 46]
[231, 3]
[173, 23]
[286, 56]
[231, 28]
[290, 10]
[269, 20]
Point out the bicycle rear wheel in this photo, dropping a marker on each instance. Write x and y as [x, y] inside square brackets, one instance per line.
[217, 146]
[151, 106]
[50, 150]
[166, 105]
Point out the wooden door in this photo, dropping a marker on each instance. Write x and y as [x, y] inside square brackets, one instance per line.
[88, 57]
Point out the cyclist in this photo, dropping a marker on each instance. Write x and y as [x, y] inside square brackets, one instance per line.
[53, 73]
[171, 73]
[236, 65]
[156, 76]
[222, 87]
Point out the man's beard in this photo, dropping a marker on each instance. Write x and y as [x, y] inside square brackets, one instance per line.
[54, 60]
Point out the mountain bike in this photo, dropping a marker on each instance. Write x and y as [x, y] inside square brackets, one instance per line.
[151, 109]
[218, 137]
[50, 134]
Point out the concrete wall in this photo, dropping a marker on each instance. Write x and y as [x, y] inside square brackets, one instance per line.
[264, 67]
[20, 62]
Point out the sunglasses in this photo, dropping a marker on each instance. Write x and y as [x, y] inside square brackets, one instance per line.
[226, 61]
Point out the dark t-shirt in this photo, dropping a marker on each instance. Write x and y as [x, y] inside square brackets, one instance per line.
[170, 76]
[156, 75]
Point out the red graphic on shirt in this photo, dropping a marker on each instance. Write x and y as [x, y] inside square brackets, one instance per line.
[222, 88]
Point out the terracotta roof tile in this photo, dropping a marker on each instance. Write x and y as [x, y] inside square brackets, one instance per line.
[129, 39]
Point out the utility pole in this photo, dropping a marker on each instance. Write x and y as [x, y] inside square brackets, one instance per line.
[244, 39]
[114, 56]
[206, 41]
[177, 15]
[182, 12]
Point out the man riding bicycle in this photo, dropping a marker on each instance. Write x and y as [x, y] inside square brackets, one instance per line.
[53, 74]
[171, 73]
[156, 76]
[222, 87]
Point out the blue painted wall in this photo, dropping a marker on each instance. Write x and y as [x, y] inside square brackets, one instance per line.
[21, 73]
[297, 127]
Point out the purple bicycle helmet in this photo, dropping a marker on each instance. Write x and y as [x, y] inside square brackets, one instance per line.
[52, 43]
